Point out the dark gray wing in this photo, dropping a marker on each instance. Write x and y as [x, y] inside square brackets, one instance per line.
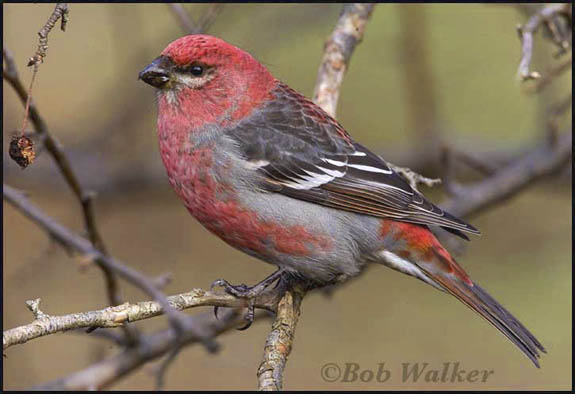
[304, 153]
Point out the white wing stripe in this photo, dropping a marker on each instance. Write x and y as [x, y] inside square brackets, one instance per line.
[314, 180]
[369, 168]
[335, 162]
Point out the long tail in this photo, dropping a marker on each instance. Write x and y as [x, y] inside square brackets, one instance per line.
[481, 302]
[421, 255]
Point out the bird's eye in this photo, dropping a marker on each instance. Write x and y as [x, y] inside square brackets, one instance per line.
[196, 70]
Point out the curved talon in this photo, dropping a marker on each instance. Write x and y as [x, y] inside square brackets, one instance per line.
[248, 324]
[249, 315]
[216, 312]
[248, 293]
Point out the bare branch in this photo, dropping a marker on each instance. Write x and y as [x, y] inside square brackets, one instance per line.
[209, 16]
[286, 299]
[21, 147]
[544, 15]
[184, 19]
[544, 160]
[549, 76]
[279, 342]
[116, 316]
[55, 150]
[106, 372]
[60, 12]
[414, 178]
[338, 49]
[88, 251]
[449, 156]
[165, 364]
[203, 22]
[347, 33]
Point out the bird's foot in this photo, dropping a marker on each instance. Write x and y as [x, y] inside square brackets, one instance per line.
[246, 292]
[239, 291]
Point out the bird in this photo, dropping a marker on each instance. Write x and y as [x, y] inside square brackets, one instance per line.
[272, 174]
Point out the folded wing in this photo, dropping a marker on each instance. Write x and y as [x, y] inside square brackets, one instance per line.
[304, 153]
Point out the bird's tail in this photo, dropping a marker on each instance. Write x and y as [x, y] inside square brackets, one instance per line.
[427, 260]
[471, 294]
[481, 302]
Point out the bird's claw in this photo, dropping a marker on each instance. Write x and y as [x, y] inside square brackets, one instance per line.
[249, 318]
[239, 291]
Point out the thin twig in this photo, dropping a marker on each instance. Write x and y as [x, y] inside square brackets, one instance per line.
[338, 49]
[165, 364]
[21, 147]
[413, 178]
[85, 197]
[207, 19]
[550, 76]
[55, 150]
[89, 252]
[184, 19]
[60, 12]
[526, 31]
[203, 22]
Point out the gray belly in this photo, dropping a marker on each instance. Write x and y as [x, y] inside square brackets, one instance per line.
[346, 238]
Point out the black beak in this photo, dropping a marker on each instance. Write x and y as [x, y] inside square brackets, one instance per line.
[157, 73]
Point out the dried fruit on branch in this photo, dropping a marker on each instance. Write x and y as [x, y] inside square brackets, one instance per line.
[22, 150]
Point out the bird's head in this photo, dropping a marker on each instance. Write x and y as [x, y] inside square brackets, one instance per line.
[204, 76]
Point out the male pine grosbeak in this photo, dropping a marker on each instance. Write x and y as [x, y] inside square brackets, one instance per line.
[273, 175]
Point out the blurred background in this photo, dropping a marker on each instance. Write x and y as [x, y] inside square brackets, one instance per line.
[424, 76]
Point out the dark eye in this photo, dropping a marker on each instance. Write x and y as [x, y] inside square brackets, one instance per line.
[196, 70]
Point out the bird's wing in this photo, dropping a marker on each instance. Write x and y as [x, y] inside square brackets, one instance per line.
[302, 152]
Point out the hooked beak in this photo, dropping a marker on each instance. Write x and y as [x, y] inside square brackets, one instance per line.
[158, 72]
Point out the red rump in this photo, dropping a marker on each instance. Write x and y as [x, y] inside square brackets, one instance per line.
[419, 239]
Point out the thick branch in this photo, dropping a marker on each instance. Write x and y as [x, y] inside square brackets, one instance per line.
[338, 49]
[116, 316]
[542, 161]
[279, 342]
[106, 372]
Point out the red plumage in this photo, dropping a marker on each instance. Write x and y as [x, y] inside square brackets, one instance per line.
[272, 174]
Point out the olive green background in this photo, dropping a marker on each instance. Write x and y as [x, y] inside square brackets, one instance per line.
[88, 92]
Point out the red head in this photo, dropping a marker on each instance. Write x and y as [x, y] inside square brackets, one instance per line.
[203, 79]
